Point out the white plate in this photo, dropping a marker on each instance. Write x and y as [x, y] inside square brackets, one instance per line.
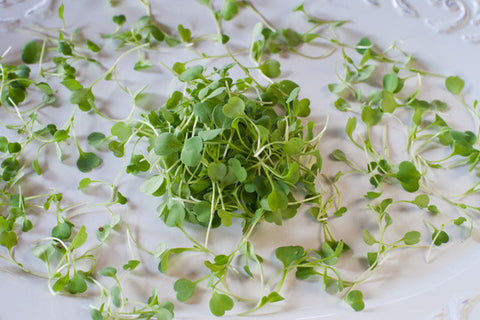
[441, 34]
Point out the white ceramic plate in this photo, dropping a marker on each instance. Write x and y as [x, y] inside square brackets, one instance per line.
[442, 35]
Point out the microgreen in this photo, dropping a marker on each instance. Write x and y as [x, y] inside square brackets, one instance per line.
[225, 150]
[31, 52]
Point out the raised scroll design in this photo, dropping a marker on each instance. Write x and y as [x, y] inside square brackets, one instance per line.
[11, 17]
[461, 14]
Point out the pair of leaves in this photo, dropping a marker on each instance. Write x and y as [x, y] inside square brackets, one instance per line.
[220, 303]
[408, 176]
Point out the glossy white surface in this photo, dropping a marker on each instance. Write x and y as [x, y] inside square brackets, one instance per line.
[441, 34]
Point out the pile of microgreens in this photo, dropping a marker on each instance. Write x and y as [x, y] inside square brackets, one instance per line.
[223, 151]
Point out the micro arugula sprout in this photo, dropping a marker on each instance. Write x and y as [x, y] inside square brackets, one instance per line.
[226, 151]
[230, 160]
[426, 130]
[275, 41]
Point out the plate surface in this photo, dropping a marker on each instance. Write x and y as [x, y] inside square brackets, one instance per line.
[441, 35]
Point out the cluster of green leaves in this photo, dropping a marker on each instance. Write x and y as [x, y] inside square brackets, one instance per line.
[225, 151]
[425, 128]
[143, 31]
[268, 41]
[233, 152]
[228, 150]
[70, 265]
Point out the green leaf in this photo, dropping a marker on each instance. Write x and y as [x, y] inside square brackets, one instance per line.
[191, 73]
[433, 209]
[440, 237]
[45, 88]
[185, 289]
[3, 144]
[103, 232]
[95, 138]
[382, 206]
[131, 265]
[388, 104]
[83, 97]
[61, 135]
[15, 95]
[341, 211]
[390, 82]
[371, 116]
[273, 297]
[72, 84]
[152, 184]
[336, 88]
[121, 130]
[184, 33]
[8, 239]
[440, 106]
[302, 107]
[355, 299]
[459, 221]
[85, 182]
[235, 107]
[454, 84]
[27, 225]
[60, 283]
[365, 72]
[79, 239]
[326, 252]
[293, 38]
[160, 250]
[363, 45]
[220, 303]
[166, 143]
[88, 161]
[293, 146]
[408, 176]
[289, 255]
[142, 64]
[191, 152]
[62, 231]
[108, 272]
[237, 168]
[44, 251]
[217, 171]
[277, 200]
[350, 127]
[115, 293]
[159, 35]
[230, 10]
[14, 147]
[77, 284]
[31, 52]
[93, 46]
[95, 314]
[293, 173]
[226, 217]
[293, 95]
[119, 19]
[176, 215]
[411, 237]
[270, 68]
[372, 195]
[65, 48]
[61, 10]
[341, 104]
[372, 258]
[421, 201]
[338, 155]
[368, 238]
